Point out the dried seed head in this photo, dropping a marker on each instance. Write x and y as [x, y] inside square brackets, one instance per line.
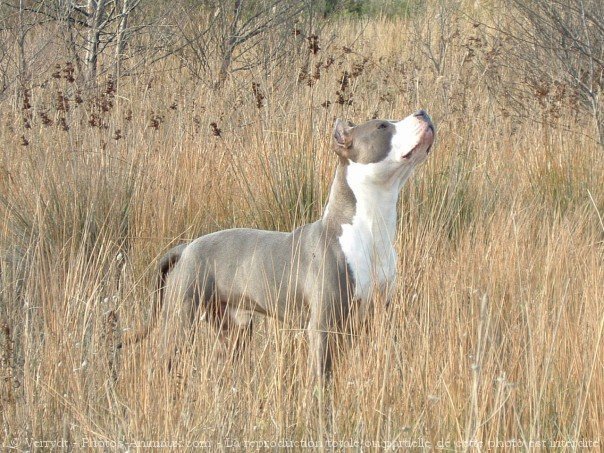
[110, 87]
[155, 120]
[57, 73]
[63, 124]
[62, 102]
[313, 44]
[46, 120]
[258, 94]
[216, 131]
[95, 120]
[316, 75]
[344, 98]
[303, 75]
[345, 81]
[68, 72]
[197, 123]
[358, 68]
[26, 104]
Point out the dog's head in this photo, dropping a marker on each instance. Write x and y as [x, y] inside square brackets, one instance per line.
[385, 150]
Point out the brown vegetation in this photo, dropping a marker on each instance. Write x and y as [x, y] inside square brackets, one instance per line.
[496, 330]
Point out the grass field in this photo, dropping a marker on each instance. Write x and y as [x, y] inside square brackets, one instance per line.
[495, 335]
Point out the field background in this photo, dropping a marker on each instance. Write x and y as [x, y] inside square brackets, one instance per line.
[496, 329]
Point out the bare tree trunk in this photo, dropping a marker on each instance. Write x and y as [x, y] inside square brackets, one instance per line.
[237, 35]
[226, 62]
[71, 39]
[96, 12]
[21, 45]
[121, 38]
[73, 49]
[229, 45]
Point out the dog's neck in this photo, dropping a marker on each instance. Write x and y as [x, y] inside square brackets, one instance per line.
[341, 203]
[362, 213]
[353, 195]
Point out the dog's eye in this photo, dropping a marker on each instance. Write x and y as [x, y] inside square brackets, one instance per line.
[382, 126]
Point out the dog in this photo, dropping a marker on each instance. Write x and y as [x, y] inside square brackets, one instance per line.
[321, 275]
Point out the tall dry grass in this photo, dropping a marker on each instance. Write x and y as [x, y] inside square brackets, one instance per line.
[495, 334]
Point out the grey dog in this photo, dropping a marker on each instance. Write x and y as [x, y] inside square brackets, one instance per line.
[319, 276]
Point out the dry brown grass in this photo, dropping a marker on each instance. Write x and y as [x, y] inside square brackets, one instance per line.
[496, 331]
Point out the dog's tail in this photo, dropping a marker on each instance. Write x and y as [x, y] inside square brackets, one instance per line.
[165, 266]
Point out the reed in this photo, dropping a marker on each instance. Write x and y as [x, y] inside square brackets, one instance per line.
[496, 329]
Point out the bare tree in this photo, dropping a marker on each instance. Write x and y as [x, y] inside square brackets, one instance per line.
[96, 16]
[121, 37]
[20, 47]
[223, 37]
[19, 24]
[90, 29]
[556, 39]
[434, 32]
[212, 38]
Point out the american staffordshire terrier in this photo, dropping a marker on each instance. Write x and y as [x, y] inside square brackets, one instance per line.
[321, 275]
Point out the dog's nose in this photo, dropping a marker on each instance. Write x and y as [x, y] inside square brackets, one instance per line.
[421, 114]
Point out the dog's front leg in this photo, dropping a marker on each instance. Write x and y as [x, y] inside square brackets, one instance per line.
[320, 356]
[324, 335]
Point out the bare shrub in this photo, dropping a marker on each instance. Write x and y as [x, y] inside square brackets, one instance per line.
[221, 38]
[552, 55]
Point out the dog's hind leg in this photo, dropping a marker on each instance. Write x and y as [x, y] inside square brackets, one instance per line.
[180, 331]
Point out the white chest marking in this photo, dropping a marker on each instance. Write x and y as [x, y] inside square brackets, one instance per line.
[367, 242]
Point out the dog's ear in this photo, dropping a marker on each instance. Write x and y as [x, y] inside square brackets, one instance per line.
[342, 137]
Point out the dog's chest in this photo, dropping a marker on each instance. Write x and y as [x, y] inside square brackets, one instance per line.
[367, 244]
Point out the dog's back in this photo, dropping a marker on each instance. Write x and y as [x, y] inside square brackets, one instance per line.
[261, 271]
